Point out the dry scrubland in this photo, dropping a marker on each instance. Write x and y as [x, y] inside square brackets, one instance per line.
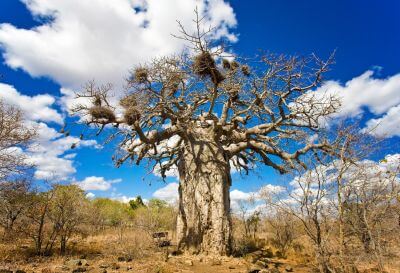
[204, 116]
[103, 235]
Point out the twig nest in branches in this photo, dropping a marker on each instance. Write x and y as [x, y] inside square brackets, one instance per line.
[204, 65]
[259, 102]
[130, 104]
[128, 101]
[173, 83]
[141, 75]
[233, 91]
[226, 64]
[131, 115]
[234, 65]
[100, 112]
[97, 100]
[245, 70]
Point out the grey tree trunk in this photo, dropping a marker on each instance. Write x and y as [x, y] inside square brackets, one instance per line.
[204, 222]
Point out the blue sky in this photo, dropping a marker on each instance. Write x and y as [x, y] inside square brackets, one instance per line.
[50, 48]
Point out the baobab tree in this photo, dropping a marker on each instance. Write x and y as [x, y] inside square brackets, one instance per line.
[202, 114]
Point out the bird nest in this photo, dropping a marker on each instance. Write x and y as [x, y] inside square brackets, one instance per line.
[141, 75]
[128, 101]
[131, 115]
[245, 70]
[130, 104]
[204, 66]
[100, 112]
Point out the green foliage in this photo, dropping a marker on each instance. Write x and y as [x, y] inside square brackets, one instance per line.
[136, 203]
[68, 211]
[158, 215]
[157, 204]
[111, 212]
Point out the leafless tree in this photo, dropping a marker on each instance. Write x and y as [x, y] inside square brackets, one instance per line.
[198, 112]
[369, 210]
[36, 223]
[245, 214]
[342, 196]
[68, 211]
[283, 229]
[311, 201]
[15, 199]
[14, 135]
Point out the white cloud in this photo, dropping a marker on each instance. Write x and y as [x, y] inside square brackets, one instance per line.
[102, 39]
[270, 189]
[251, 202]
[70, 156]
[90, 195]
[96, 183]
[48, 152]
[35, 108]
[169, 193]
[172, 172]
[237, 195]
[363, 174]
[378, 95]
[386, 126]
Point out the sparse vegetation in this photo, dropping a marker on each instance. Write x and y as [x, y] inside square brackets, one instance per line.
[204, 115]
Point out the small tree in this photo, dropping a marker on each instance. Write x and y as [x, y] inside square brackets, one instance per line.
[156, 216]
[369, 206]
[248, 215]
[15, 200]
[283, 229]
[14, 135]
[112, 213]
[198, 112]
[36, 223]
[68, 211]
[136, 203]
[311, 199]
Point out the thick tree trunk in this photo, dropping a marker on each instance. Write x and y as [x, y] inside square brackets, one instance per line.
[204, 223]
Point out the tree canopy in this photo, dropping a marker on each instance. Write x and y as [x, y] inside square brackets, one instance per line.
[258, 110]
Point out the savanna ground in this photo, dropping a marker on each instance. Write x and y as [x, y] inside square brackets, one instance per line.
[340, 215]
[128, 249]
[135, 251]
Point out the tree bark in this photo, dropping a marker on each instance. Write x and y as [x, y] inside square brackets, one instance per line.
[204, 222]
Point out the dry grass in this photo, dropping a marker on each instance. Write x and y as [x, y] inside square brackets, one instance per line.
[134, 250]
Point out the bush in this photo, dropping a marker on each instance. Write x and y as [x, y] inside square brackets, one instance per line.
[246, 245]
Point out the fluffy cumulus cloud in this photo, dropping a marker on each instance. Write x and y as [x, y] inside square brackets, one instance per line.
[251, 202]
[125, 199]
[386, 126]
[379, 96]
[96, 183]
[101, 39]
[48, 152]
[36, 108]
[237, 195]
[169, 193]
[90, 195]
[366, 173]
